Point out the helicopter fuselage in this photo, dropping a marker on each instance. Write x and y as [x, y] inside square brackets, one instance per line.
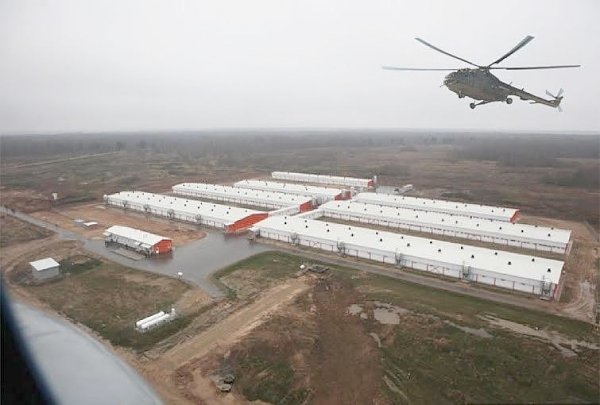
[480, 84]
[477, 84]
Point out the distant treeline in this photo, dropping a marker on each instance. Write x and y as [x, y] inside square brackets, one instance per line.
[506, 149]
[530, 151]
[202, 143]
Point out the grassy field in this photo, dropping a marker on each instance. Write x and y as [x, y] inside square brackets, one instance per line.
[257, 273]
[106, 297]
[315, 347]
[14, 231]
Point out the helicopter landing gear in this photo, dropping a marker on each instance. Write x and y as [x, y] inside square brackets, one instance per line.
[473, 105]
[509, 100]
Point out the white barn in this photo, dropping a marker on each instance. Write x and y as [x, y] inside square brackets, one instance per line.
[484, 230]
[525, 273]
[259, 198]
[320, 194]
[230, 219]
[324, 179]
[448, 207]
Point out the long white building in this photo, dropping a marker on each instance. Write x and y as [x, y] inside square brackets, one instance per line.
[259, 198]
[448, 207]
[320, 194]
[324, 179]
[231, 219]
[485, 230]
[529, 274]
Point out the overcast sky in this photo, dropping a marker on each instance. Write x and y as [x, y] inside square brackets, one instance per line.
[176, 64]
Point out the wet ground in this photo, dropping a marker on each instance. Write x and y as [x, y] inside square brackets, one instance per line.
[197, 260]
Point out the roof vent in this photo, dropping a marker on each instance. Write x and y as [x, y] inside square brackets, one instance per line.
[408, 245]
[533, 259]
[509, 263]
[439, 250]
[549, 271]
[472, 256]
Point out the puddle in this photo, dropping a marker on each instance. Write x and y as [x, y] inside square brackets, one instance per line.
[355, 309]
[386, 316]
[567, 347]
[477, 332]
[383, 312]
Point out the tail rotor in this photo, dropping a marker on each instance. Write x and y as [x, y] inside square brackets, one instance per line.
[557, 98]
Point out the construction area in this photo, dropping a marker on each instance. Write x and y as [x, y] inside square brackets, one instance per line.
[318, 251]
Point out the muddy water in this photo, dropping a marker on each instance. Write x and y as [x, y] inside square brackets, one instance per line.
[197, 260]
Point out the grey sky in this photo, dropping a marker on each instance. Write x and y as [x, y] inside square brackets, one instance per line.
[174, 64]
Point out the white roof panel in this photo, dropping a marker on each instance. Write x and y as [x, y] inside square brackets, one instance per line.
[301, 189]
[458, 222]
[138, 235]
[250, 195]
[426, 204]
[497, 261]
[323, 179]
[44, 264]
[191, 207]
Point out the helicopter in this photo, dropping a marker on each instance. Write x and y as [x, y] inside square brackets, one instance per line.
[481, 84]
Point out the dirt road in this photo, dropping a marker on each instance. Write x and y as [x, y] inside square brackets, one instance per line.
[165, 372]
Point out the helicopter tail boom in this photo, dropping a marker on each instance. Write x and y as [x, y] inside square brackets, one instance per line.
[554, 102]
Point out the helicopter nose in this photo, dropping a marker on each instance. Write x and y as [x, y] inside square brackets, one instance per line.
[450, 79]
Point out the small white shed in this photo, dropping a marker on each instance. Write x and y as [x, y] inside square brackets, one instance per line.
[45, 269]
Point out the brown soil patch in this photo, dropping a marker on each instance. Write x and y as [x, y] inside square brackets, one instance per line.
[14, 231]
[25, 200]
[179, 371]
[107, 217]
[343, 344]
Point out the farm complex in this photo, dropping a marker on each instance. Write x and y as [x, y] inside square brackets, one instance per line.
[371, 280]
[310, 210]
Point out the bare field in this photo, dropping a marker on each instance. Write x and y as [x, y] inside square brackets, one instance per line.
[107, 217]
[360, 338]
[14, 231]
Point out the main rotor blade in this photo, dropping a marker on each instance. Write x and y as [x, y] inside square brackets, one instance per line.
[520, 45]
[417, 69]
[535, 67]
[444, 52]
